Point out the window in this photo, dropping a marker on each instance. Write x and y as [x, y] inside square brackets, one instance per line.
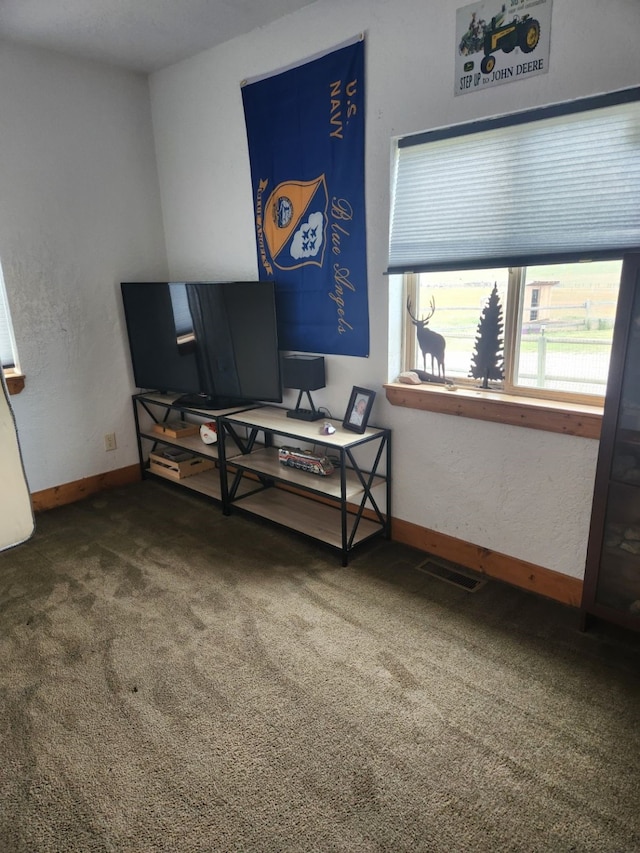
[7, 344]
[560, 348]
[543, 204]
[7, 349]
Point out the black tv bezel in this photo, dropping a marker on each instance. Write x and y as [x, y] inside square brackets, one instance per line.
[208, 399]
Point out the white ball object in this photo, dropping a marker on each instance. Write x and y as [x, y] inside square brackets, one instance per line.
[209, 433]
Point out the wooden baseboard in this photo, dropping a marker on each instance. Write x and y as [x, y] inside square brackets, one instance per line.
[562, 588]
[69, 492]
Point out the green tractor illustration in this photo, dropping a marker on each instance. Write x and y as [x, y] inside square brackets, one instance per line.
[522, 32]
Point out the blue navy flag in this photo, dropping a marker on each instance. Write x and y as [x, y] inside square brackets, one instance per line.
[305, 128]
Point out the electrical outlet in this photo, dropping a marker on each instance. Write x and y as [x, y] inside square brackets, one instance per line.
[110, 441]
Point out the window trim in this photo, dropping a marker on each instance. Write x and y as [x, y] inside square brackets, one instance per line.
[533, 408]
[512, 319]
[516, 306]
[15, 381]
[13, 377]
[498, 407]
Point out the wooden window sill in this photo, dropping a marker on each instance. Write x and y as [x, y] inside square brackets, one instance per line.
[15, 381]
[549, 415]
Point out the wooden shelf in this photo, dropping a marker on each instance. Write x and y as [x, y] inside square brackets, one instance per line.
[207, 483]
[275, 420]
[498, 407]
[265, 462]
[313, 519]
[168, 401]
[192, 443]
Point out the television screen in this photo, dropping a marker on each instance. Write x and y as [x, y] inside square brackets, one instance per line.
[215, 343]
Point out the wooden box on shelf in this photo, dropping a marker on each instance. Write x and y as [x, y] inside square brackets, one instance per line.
[176, 429]
[178, 467]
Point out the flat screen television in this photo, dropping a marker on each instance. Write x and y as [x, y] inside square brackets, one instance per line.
[213, 343]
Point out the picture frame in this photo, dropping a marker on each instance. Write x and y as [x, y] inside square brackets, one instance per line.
[358, 409]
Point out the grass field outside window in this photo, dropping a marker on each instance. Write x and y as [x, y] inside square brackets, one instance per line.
[558, 325]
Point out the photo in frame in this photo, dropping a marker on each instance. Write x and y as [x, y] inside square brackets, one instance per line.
[358, 409]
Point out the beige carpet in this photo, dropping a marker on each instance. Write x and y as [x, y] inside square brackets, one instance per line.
[173, 680]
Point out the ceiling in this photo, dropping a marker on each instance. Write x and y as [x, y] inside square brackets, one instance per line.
[140, 35]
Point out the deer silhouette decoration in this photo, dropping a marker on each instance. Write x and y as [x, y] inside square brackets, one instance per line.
[430, 342]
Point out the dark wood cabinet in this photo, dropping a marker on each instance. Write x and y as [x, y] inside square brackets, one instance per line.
[612, 575]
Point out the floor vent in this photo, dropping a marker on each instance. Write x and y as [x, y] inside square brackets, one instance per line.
[453, 574]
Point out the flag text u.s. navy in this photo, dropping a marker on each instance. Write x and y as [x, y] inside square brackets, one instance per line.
[341, 111]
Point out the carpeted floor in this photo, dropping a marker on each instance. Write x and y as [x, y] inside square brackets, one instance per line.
[174, 680]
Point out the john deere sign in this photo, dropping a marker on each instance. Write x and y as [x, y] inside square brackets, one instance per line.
[501, 42]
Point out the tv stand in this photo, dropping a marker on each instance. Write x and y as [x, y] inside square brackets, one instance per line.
[207, 402]
[242, 470]
[344, 509]
[154, 412]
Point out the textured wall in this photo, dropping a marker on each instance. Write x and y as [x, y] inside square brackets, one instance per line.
[518, 491]
[80, 211]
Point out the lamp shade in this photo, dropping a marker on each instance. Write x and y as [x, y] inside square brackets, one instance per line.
[304, 372]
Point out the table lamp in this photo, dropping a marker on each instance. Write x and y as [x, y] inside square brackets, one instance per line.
[304, 373]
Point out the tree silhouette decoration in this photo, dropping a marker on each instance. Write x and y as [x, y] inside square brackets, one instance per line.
[487, 361]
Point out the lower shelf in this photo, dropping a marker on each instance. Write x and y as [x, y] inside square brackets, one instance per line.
[312, 518]
[206, 483]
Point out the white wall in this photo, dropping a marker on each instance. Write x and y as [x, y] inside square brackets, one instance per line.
[80, 211]
[517, 491]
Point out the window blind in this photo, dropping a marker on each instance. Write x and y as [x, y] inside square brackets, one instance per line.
[550, 185]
